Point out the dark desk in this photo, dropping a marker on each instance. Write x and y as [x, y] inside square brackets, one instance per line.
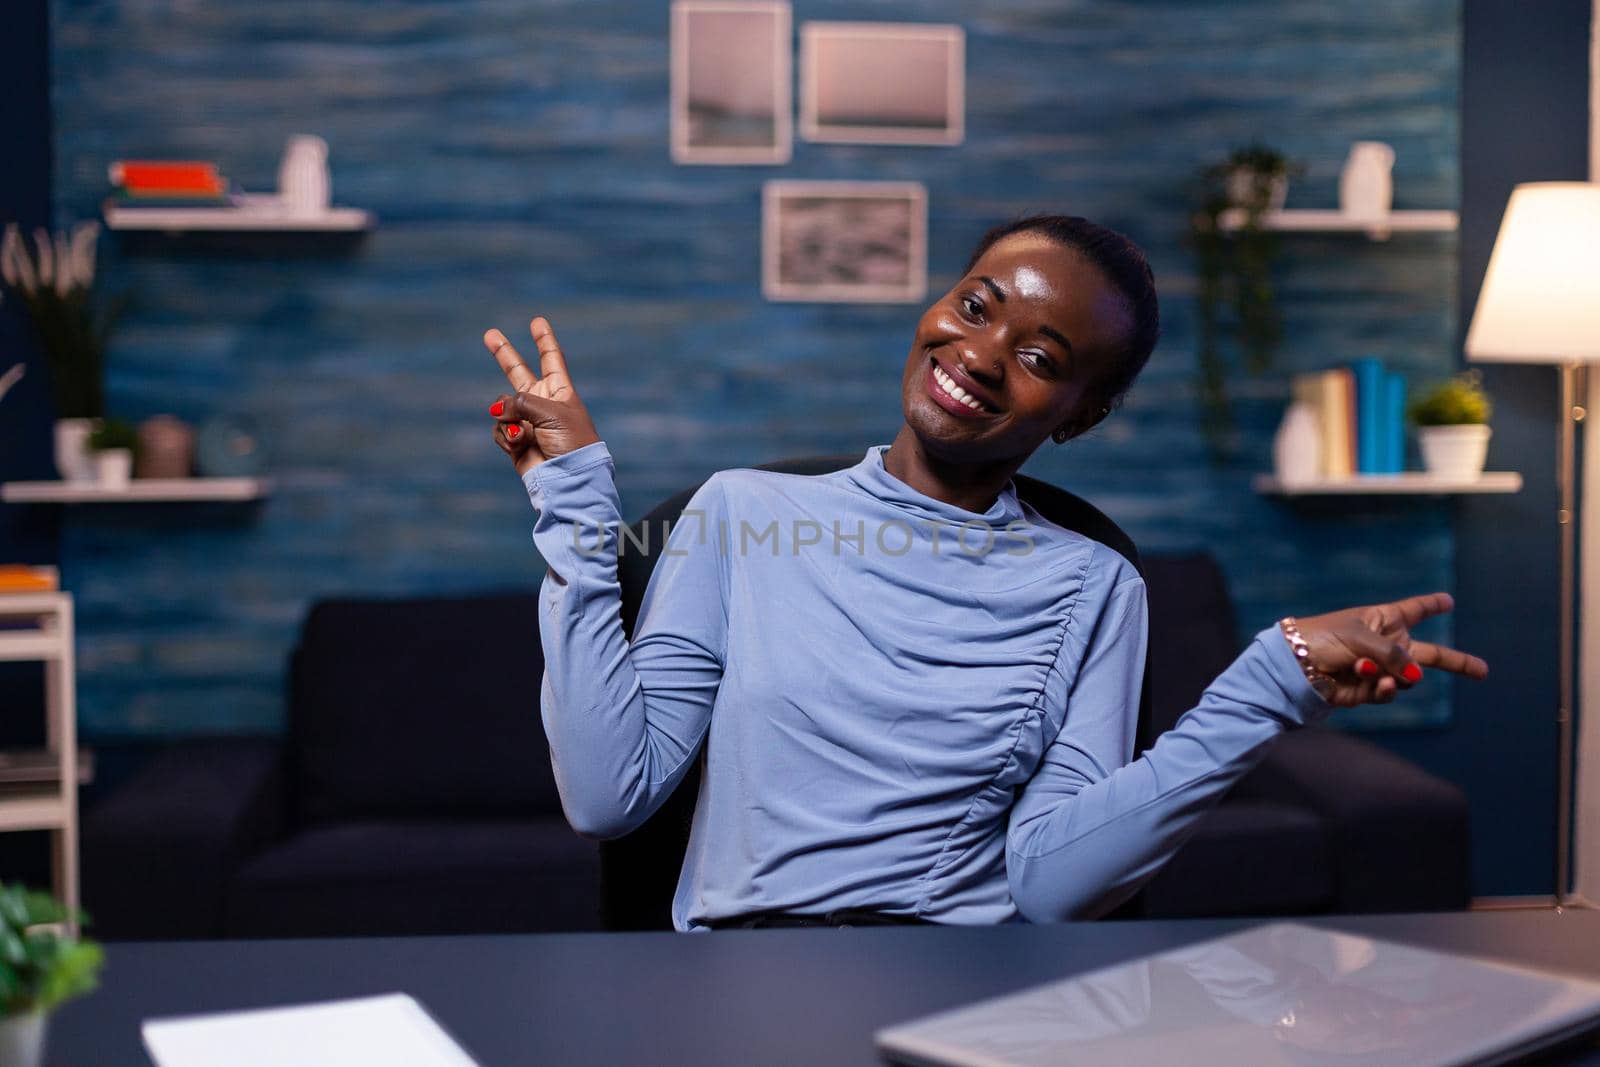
[729, 997]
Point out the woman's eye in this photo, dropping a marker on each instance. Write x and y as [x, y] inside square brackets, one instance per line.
[971, 306]
[1039, 361]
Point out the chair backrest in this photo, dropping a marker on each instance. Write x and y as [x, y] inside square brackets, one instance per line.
[639, 872]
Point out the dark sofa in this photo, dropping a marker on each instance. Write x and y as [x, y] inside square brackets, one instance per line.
[412, 794]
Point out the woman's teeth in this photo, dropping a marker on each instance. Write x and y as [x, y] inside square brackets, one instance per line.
[948, 385]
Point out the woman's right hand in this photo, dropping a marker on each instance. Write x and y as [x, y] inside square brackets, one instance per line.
[544, 418]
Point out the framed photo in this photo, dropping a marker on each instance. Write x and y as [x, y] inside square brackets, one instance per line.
[731, 74]
[850, 242]
[882, 83]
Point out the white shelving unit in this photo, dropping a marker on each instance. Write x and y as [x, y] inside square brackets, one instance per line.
[235, 220]
[138, 490]
[1304, 221]
[46, 634]
[1414, 483]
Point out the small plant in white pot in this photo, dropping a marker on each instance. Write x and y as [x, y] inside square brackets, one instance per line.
[41, 966]
[113, 444]
[1452, 421]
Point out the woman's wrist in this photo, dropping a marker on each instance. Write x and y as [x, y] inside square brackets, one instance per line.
[1320, 682]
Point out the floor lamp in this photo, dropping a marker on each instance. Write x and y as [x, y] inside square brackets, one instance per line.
[1540, 303]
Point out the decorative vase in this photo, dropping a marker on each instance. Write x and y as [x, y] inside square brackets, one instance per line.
[1297, 448]
[73, 461]
[166, 448]
[1454, 453]
[1242, 186]
[22, 1039]
[303, 182]
[1366, 184]
[113, 467]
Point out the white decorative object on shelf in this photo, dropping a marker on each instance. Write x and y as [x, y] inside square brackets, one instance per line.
[1456, 453]
[73, 461]
[113, 467]
[1412, 483]
[137, 490]
[1306, 221]
[1297, 448]
[304, 185]
[1366, 184]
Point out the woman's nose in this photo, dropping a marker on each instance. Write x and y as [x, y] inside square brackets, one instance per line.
[981, 364]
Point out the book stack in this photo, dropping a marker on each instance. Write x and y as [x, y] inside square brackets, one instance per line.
[156, 183]
[26, 578]
[1360, 409]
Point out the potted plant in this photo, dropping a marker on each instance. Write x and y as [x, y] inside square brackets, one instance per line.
[113, 444]
[40, 967]
[54, 282]
[1235, 274]
[1452, 421]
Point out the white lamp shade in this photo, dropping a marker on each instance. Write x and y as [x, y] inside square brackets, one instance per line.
[1540, 301]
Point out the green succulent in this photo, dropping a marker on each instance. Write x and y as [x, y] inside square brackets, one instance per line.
[40, 965]
[1458, 401]
[113, 433]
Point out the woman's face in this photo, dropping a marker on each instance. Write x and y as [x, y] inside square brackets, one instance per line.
[1025, 337]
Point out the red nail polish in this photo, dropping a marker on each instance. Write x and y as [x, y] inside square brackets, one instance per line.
[513, 432]
[497, 407]
[1366, 668]
[1412, 673]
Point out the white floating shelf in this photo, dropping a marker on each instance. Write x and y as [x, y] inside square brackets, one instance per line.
[1416, 483]
[138, 490]
[1303, 221]
[236, 220]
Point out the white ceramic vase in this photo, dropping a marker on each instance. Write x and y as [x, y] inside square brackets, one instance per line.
[1454, 453]
[1366, 184]
[22, 1039]
[1297, 448]
[303, 182]
[113, 466]
[73, 459]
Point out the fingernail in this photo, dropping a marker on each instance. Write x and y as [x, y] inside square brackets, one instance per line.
[497, 407]
[1412, 673]
[1366, 667]
[513, 432]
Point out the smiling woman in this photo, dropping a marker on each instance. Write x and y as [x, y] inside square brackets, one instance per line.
[917, 695]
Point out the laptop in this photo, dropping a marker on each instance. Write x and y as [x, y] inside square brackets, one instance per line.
[1277, 994]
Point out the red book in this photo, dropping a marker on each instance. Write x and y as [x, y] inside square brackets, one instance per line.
[146, 176]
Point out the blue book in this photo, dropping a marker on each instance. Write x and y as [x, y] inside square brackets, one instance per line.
[1369, 374]
[1394, 423]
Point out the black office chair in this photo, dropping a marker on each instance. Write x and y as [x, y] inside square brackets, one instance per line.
[639, 872]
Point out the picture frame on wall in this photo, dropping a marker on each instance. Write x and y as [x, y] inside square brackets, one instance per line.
[731, 77]
[844, 242]
[883, 83]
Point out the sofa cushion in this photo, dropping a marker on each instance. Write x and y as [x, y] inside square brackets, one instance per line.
[1248, 858]
[419, 877]
[419, 706]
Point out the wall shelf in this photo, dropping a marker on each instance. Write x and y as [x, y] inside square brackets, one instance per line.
[138, 490]
[1413, 483]
[1304, 221]
[235, 220]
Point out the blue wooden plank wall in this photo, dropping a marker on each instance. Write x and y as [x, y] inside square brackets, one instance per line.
[516, 154]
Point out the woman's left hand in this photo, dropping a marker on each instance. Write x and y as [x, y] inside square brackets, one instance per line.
[1370, 655]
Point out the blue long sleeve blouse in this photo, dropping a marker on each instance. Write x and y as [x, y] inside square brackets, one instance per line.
[906, 705]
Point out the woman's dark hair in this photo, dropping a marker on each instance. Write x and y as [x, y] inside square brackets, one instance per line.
[1123, 264]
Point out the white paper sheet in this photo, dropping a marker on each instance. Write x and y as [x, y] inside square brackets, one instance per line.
[392, 1030]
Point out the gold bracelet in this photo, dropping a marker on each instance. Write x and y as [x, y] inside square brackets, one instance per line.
[1302, 652]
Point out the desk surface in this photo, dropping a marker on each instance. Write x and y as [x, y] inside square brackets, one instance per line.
[726, 997]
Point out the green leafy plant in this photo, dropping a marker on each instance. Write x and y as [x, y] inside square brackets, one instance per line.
[1235, 277]
[113, 433]
[1458, 401]
[40, 965]
[54, 282]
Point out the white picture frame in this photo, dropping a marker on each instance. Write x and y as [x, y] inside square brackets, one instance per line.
[844, 241]
[732, 72]
[883, 83]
